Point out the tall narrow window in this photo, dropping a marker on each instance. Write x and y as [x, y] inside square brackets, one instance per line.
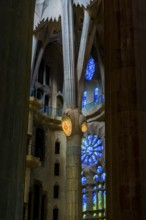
[40, 144]
[37, 201]
[55, 213]
[47, 79]
[92, 157]
[57, 147]
[96, 95]
[56, 169]
[46, 103]
[43, 207]
[56, 192]
[90, 69]
[84, 99]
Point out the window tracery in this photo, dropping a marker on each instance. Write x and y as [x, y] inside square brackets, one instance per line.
[93, 178]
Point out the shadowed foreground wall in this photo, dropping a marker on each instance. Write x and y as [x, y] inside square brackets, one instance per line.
[15, 54]
[125, 34]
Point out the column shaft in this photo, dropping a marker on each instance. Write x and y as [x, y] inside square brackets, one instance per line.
[16, 23]
[73, 178]
[68, 54]
[125, 81]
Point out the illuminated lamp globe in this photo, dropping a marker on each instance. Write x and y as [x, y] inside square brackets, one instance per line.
[84, 127]
[66, 125]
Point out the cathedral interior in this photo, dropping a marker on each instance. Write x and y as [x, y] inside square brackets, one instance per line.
[73, 110]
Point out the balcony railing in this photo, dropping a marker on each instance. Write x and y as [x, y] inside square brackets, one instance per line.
[89, 107]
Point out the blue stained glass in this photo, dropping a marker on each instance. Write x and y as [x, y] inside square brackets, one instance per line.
[95, 177]
[89, 139]
[86, 160]
[94, 139]
[84, 202]
[84, 198]
[84, 147]
[84, 99]
[84, 190]
[89, 162]
[94, 159]
[90, 69]
[100, 148]
[83, 157]
[89, 151]
[99, 154]
[99, 169]
[84, 180]
[104, 199]
[94, 199]
[85, 142]
[103, 177]
[96, 95]
[99, 141]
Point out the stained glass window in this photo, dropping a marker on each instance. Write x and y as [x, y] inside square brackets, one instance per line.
[91, 150]
[93, 178]
[90, 69]
[84, 202]
[96, 95]
[94, 197]
[84, 99]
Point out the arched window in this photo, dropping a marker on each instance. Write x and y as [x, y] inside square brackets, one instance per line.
[84, 99]
[56, 192]
[93, 177]
[96, 95]
[57, 147]
[56, 169]
[90, 69]
[55, 213]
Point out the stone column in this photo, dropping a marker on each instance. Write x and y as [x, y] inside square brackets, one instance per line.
[16, 21]
[68, 53]
[125, 81]
[73, 178]
[73, 167]
[73, 170]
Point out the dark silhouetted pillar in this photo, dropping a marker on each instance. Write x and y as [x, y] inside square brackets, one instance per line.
[16, 21]
[125, 59]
